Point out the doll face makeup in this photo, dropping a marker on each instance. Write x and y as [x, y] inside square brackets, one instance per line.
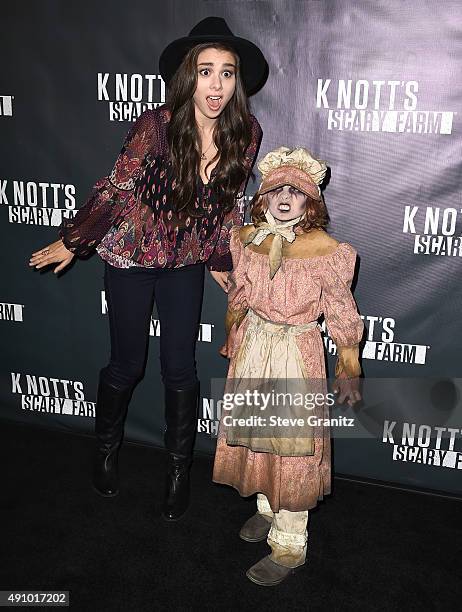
[286, 203]
[216, 82]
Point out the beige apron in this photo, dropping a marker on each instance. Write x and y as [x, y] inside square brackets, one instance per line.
[269, 351]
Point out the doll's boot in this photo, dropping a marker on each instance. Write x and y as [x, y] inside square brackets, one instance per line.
[111, 410]
[268, 573]
[181, 407]
[256, 528]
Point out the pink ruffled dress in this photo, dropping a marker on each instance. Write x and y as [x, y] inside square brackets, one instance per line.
[300, 292]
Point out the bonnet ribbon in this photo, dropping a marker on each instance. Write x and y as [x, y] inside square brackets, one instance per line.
[281, 231]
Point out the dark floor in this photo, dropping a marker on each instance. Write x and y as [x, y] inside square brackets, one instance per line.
[370, 548]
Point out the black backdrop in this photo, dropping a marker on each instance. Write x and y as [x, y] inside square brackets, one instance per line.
[371, 87]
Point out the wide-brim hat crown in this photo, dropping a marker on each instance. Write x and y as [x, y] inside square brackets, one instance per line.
[254, 67]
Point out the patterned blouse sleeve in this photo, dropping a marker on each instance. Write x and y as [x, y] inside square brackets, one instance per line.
[220, 259]
[343, 322]
[108, 196]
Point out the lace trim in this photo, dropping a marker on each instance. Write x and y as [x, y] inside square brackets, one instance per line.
[287, 539]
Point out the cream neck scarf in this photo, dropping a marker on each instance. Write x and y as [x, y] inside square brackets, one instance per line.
[281, 230]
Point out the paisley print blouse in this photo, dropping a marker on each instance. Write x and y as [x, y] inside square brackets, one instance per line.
[128, 218]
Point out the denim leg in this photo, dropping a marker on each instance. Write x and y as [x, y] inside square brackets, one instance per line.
[178, 295]
[129, 297]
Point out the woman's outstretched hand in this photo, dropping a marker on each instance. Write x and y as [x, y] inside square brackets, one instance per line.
[55, 252]
[221, 278]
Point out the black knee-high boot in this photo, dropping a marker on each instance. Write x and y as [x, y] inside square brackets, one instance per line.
[111, 410]
[181, 407]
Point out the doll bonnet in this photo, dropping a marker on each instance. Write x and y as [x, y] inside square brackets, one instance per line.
[296, 167]
[284, 166]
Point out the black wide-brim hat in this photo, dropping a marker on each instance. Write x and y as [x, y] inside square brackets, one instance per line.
[254, 67]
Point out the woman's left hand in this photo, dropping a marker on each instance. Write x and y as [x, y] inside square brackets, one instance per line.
[221, 278]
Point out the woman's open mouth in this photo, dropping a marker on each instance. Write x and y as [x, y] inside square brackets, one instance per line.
[214, 102]
[284, 207]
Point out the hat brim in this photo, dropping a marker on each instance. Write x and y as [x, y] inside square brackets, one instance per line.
[312, 191]
[254, 67]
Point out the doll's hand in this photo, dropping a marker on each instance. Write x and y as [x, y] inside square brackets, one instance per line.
[228, 347]
[223, 350]
[347, 388]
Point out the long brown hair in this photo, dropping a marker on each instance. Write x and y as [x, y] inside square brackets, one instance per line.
[232, 135]
[316, 212]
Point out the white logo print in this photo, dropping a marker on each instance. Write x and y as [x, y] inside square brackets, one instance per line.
[51, 395]
[11, 312]
[6, 106]
[35, 203]
[378, 106]
[128, 96]
[380, 342]
[414, 444]
[434, 230]
[209, 416]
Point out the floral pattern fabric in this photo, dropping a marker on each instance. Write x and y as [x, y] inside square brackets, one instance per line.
[129, 220]
[300, 292]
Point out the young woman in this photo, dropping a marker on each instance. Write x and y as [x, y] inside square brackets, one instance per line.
[163, 213]
[287, 271]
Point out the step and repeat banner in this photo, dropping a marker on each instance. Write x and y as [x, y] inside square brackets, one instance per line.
[373, 87]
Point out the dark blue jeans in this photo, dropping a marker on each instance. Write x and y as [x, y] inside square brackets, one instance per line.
[130, 295]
